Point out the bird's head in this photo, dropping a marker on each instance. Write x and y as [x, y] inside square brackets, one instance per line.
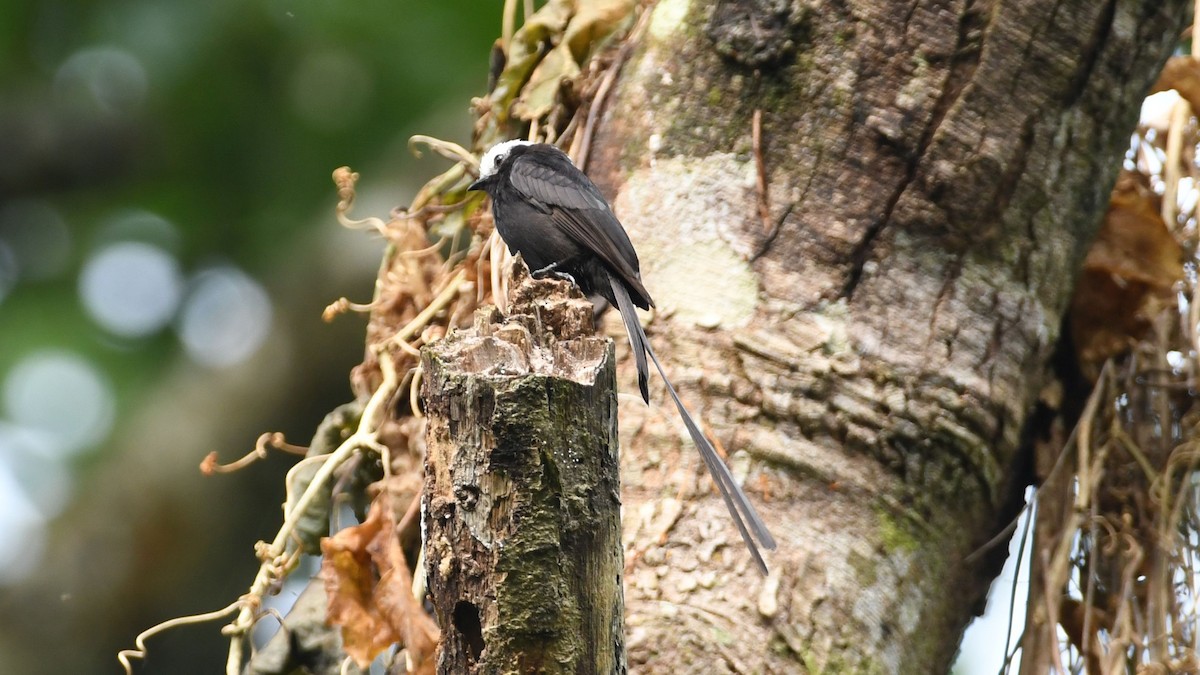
[492, 160]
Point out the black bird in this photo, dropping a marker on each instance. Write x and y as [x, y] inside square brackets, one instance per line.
[547, 210]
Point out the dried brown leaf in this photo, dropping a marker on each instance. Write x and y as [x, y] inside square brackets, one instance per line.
[418, 632]
[541, 92]
[369, 586]
[589, 25]
[1134, 242]
[594, 21]
[1127, 277]
[1182, 73]
[525, 51]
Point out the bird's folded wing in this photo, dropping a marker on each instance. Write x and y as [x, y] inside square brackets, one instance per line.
[576, 206]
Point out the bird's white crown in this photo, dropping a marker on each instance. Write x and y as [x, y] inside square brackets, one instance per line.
[495, 155]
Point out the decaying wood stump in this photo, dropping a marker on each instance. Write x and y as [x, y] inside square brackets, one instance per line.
[522, 495]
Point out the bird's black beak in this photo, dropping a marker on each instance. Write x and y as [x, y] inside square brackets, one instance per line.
[478, 185]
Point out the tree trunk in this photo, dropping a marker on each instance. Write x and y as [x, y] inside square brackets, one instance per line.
[522, 495]
[862, 303]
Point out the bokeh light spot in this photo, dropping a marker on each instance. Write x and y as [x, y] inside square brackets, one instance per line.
[139, 225]
[225, 318]
[107, 80]
[39, 471]
[131, 289]
[22, 528]
[63, 397]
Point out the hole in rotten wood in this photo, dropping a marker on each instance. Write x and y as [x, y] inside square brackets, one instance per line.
[466, 621]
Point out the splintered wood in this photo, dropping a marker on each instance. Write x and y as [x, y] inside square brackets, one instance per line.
[522, 494]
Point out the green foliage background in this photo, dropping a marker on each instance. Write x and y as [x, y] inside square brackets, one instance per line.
[244, 110]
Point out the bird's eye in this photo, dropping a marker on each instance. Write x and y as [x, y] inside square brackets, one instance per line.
[500, 159]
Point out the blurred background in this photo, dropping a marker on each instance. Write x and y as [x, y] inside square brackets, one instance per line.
[167, 245]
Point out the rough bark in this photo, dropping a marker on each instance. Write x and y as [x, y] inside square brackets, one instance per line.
[873, 347]
[522, 493]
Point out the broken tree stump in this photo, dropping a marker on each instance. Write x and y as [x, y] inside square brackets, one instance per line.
[522, 495]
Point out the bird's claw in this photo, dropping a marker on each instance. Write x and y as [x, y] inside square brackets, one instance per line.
[551, 270]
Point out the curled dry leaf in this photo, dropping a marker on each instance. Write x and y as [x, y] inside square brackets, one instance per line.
[525, 51]
[541, 93]
[594, 21]
[369, 584]
[1127, 277]
[1182, 73]
[575, 28]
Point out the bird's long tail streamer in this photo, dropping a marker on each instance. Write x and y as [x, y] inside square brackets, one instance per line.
[637, 337]
[739, 505]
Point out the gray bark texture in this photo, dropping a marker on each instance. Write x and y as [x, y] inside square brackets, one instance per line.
[522, 500]
[870, 343]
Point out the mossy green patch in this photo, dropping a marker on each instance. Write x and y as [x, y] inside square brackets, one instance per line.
[894, 535]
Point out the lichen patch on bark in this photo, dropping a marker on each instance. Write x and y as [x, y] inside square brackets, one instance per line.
[687, 217]
[668, 17]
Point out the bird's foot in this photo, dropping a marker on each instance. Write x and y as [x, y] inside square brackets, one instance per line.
[551, 270]
[545, 271]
